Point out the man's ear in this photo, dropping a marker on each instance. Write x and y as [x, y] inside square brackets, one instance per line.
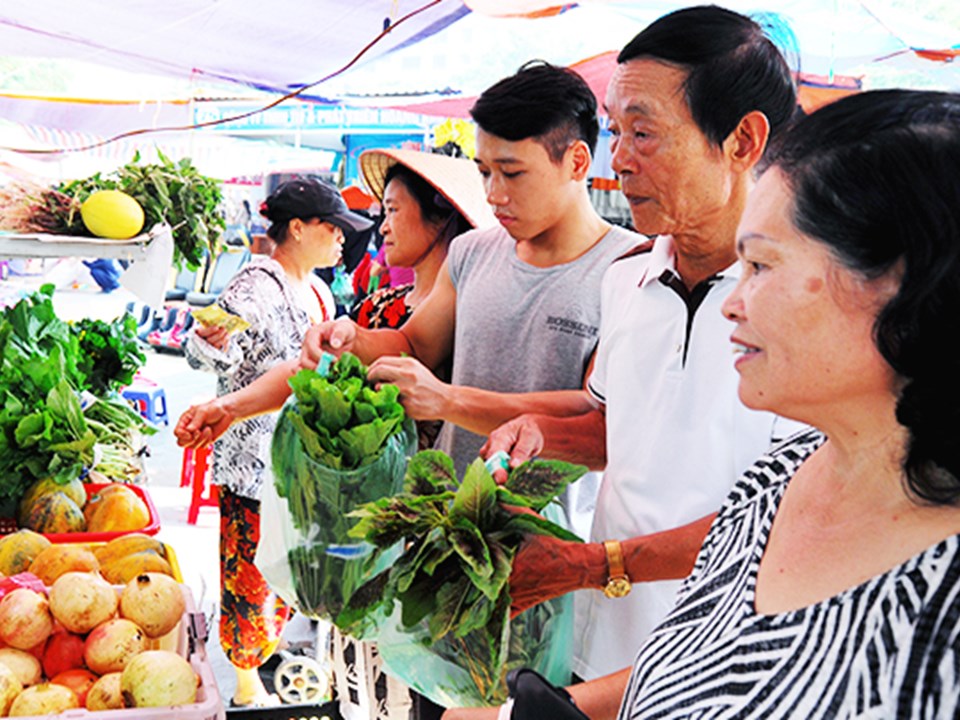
[745, 145]
[578, 154]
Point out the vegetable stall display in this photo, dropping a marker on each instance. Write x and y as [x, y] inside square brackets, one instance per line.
[171, 192]
[60, 416]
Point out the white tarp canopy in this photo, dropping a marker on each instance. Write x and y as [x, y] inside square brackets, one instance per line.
[283, 45]
[445, 50]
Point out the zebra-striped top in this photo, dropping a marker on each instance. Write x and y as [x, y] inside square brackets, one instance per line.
[885, 649]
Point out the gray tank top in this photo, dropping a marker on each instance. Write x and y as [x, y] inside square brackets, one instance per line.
[522, 328]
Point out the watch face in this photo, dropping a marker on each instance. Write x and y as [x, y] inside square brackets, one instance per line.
[617, 587]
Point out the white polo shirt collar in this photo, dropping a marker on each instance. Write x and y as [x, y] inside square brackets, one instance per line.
[663, 256]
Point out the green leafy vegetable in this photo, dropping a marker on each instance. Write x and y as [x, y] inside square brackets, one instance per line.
[453, 575]
[343, 419]
[108, 353]
[339, 443]
[169, 192]
[45, 429]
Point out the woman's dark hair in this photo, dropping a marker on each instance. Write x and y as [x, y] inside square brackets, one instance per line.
[277, 231]
[733, 67]
[552, 105]
[876, 178]
[434, 207]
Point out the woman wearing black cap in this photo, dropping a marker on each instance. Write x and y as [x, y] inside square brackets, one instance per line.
[280, 296]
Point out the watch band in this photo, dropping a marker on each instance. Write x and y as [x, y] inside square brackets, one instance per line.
[614, 559]
[618, 583]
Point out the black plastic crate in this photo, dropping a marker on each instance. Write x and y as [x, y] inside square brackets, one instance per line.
[287, 712]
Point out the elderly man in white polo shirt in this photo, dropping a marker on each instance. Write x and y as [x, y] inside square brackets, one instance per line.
[688, 131]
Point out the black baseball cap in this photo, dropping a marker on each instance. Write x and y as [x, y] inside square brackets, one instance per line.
[306, 198]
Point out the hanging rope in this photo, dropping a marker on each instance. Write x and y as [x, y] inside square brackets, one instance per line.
[180, 128]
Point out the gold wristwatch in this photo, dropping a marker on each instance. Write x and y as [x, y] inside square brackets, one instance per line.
[618, 584]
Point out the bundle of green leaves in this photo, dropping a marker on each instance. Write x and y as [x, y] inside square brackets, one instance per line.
[342, 419]
[459, 542]
[169, 192]
[108, 352]
[44, 431]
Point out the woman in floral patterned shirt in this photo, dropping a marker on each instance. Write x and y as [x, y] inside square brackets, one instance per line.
[280, 296]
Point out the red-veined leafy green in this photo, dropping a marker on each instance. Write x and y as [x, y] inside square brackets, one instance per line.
[453, 576]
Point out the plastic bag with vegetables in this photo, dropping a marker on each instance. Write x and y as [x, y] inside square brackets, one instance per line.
[339, 443]
[450, 636]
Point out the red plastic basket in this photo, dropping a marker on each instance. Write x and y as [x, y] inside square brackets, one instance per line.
[152, 528]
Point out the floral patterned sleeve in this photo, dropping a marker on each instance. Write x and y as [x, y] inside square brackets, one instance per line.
[386, 308]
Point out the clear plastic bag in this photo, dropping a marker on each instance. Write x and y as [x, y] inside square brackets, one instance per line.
[455, 672]
[306, 553]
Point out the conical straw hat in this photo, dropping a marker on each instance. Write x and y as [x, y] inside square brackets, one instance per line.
[457, 179]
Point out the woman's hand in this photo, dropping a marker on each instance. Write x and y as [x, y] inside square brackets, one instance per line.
[214, 335]
[471, 714]
[200, 425]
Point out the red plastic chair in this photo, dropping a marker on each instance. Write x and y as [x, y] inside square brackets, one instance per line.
[195, 473]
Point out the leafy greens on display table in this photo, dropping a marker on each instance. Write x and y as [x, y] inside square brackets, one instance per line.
[58, 414]
[171, 192]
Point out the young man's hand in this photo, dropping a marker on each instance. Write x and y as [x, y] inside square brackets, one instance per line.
[423, 396]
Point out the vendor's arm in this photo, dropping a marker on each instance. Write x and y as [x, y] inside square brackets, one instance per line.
[546, 567]
[201, 424]
[574, 438]
[427, 335]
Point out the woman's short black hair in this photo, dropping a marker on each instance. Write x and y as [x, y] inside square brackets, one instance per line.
[733, 67]
[876, 178]
[550, 104]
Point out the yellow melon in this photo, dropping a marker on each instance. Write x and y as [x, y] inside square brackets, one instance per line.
[112, 214]
[18, 550]
[59, 559]
[116, 508]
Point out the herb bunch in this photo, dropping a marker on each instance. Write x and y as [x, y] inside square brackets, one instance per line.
[175, 193]
[108, 352]
[460, 541]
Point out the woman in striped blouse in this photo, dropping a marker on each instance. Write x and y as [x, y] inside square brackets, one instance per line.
[829, 583]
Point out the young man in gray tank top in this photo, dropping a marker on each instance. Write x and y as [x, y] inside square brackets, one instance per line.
[518, 305]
